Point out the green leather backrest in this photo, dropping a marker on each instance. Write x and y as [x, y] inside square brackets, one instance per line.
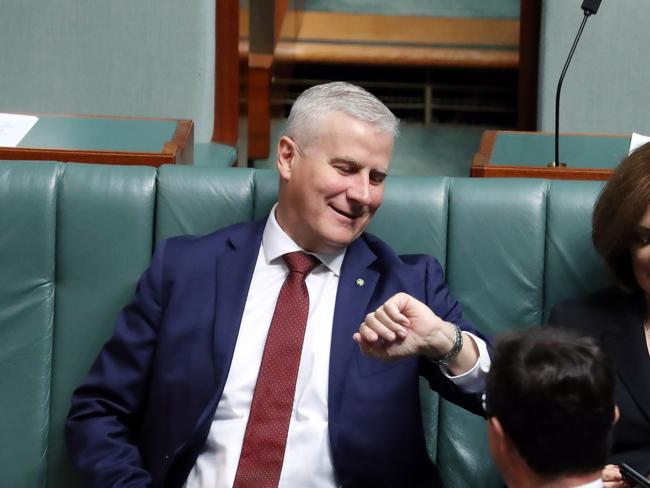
[195, 200]
[572, 266]
[104, 231]
[495, 268]
[78, 236]
[27, 276]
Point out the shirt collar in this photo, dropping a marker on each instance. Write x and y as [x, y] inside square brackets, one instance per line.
[597, 483]
[276, 242]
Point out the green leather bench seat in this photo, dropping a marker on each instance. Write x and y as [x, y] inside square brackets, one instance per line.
[75, 238]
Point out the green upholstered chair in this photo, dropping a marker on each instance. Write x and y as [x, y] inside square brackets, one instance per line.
[75, 238]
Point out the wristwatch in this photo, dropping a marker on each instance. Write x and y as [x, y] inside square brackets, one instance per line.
[455, 349]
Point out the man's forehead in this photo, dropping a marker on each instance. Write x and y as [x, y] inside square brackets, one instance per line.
[337, 124]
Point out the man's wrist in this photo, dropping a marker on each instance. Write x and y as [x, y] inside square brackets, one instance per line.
[454, 350]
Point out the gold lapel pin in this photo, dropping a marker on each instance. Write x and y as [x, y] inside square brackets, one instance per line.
[360, 282]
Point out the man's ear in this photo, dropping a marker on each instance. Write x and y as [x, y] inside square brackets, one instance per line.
[287, 154]
[617, 414]
[504, 444]
[495, 425]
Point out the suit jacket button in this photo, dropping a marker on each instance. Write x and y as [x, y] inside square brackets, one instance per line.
[166, 457]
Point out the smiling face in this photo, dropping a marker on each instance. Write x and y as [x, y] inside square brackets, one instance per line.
[640, 252]
[331, 187]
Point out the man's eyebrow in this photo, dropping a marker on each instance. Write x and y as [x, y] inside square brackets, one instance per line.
[355, 163]
[345, 160]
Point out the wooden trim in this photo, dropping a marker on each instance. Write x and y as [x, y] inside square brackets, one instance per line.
[540, 172]
[334, 26]
[395, 56]
[259, 111]
[179, 150]
[260, 68]
[262, 61]
[529, 32]
[226, 89]
[183, 139]
[344, 38]
[481, 166]
[488, 139]
[548, 133]
[280, 13]
[395, 29]
[97, 157]
[486, 146]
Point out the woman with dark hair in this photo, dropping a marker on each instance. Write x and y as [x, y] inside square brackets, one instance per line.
[620, 316]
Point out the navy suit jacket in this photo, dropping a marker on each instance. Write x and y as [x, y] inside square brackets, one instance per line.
[615, 318]
[143, 414]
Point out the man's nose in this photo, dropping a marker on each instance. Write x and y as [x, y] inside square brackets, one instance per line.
[359, 189]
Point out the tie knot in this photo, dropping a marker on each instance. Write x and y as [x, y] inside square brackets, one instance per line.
[300, 262]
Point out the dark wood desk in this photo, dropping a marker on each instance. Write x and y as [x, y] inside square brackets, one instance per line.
[526, 155]
[106, 140]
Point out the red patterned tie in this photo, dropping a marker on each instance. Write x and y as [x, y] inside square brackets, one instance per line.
[262, 454]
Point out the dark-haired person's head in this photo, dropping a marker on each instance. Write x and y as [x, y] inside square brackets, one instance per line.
[621, 222]
[550, 406]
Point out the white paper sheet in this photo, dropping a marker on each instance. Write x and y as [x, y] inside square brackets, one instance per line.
[637, 140]
[14, 127]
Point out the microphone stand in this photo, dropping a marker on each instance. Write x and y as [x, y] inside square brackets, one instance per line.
[556, 163]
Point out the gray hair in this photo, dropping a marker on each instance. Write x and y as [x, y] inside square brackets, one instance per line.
[338, 96]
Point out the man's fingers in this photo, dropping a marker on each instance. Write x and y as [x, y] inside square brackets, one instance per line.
[383, 326]
[393, 311]
[373, 349]
[612, 477]
[391, 321]
[611, 473]
[368, 334]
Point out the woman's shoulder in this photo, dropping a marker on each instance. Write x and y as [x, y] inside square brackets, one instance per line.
[605, 297]
[597, 307]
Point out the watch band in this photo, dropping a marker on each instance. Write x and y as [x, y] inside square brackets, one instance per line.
[455, 349]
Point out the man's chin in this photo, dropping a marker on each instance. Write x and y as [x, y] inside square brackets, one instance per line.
[338, 242]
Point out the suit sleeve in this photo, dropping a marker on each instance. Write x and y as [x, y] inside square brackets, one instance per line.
[106, 409]
[446, 307]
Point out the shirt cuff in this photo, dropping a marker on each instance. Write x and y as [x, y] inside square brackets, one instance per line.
[473, 381]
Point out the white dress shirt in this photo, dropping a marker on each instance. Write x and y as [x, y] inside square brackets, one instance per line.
[592, 484]
[307, 459]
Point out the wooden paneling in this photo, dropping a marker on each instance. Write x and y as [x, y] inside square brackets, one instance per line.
[529, 30]
[226, 93]
[331, 37]
[259, 105]
[384, 29]
[540, 172]
[280, 13]
[395, 55]
[366, 39]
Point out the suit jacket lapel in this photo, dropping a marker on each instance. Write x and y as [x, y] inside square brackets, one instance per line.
[234, 271]
[624, 342]
[355, 290]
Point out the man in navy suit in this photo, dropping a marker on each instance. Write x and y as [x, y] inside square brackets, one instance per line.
[167, 401]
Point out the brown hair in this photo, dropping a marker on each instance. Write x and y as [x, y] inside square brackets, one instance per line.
[620, 206]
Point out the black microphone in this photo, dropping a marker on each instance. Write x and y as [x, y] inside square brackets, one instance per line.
[590, 7]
